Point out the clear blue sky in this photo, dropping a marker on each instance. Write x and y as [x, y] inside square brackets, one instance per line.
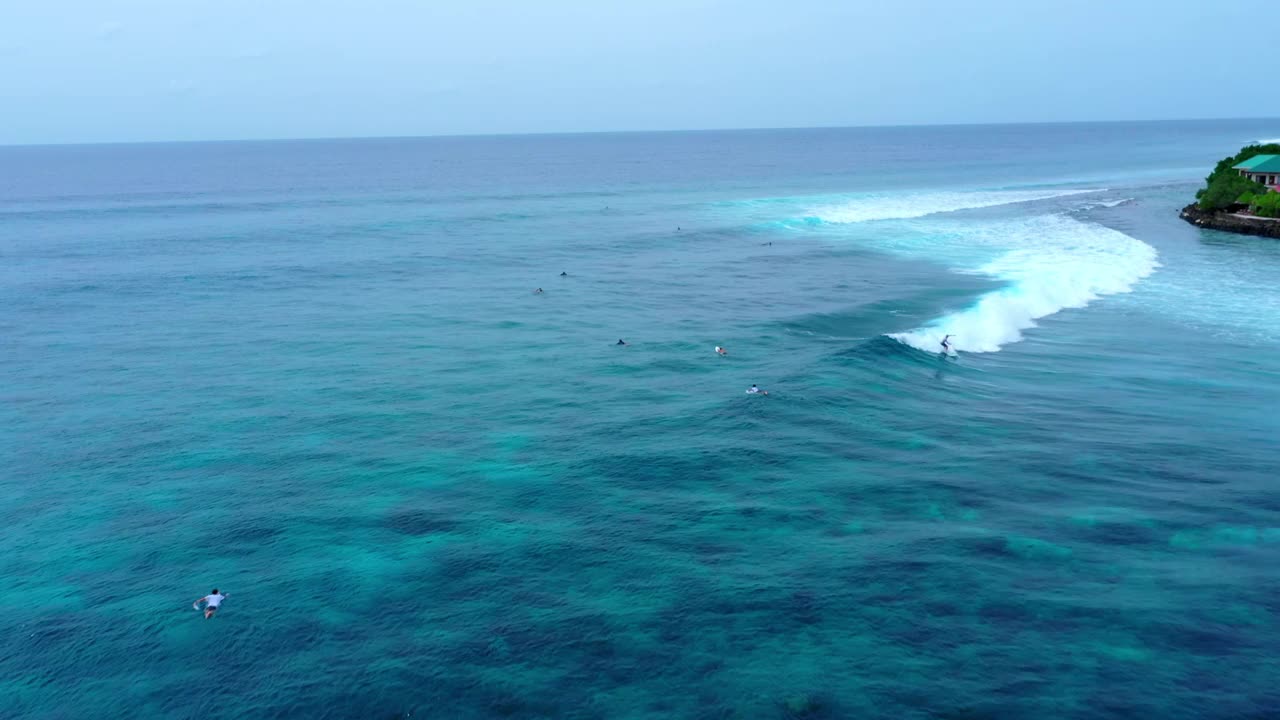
[123, 70]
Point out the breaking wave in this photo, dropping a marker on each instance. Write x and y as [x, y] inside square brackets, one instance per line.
[1050, 263]
[1106, 204]
[901, 206]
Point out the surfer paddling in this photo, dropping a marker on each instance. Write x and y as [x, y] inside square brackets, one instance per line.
[211, 603]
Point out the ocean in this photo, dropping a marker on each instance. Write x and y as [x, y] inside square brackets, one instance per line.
[316, 375]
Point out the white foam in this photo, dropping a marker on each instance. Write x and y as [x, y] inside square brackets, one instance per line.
[1114, 203]
[1105, 204]
[1268, 141]
[1050, 263]
[901, 206]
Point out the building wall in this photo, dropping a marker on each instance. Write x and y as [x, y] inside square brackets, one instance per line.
[1271, 180]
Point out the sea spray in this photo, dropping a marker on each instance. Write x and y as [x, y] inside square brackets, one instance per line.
[1052, 263]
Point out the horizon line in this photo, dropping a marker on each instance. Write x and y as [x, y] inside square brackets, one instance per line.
[553, 133]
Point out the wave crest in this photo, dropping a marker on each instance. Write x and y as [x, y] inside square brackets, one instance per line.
[1054, 262]
[901, 206]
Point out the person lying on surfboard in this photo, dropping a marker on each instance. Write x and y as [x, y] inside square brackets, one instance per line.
[211, 603]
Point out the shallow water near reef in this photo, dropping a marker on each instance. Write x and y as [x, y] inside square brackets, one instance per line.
[315, 375]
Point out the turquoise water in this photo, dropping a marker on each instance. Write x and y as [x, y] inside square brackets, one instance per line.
[315, 376]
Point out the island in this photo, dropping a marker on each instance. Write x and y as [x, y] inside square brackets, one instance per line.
[1242, 194]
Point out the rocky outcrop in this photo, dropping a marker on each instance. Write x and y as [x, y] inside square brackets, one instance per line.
[1230, 222]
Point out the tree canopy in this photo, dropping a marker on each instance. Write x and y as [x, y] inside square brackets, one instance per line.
[1266, 205]
[1225, 186]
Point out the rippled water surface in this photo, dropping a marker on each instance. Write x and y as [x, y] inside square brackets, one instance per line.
[316, 376]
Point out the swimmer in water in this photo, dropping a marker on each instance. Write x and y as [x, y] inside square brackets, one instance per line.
[564, 274]
[211, 603]
[721, 351]
[538, 291]
[622, 342]
[754, 390]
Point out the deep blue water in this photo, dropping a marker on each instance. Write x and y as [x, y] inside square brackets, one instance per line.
[316, 376]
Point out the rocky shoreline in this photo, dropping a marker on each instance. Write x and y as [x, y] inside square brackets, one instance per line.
[1228, 221]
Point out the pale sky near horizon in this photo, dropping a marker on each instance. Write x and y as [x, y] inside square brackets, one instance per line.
[138, 70]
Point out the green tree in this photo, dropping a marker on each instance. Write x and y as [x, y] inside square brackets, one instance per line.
[1225, 190]
[1266, 205]
[1224, 185]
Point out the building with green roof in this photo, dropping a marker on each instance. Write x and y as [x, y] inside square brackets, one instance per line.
[1263, 169]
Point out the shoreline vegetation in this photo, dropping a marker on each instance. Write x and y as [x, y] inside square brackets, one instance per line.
[1231, 202]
